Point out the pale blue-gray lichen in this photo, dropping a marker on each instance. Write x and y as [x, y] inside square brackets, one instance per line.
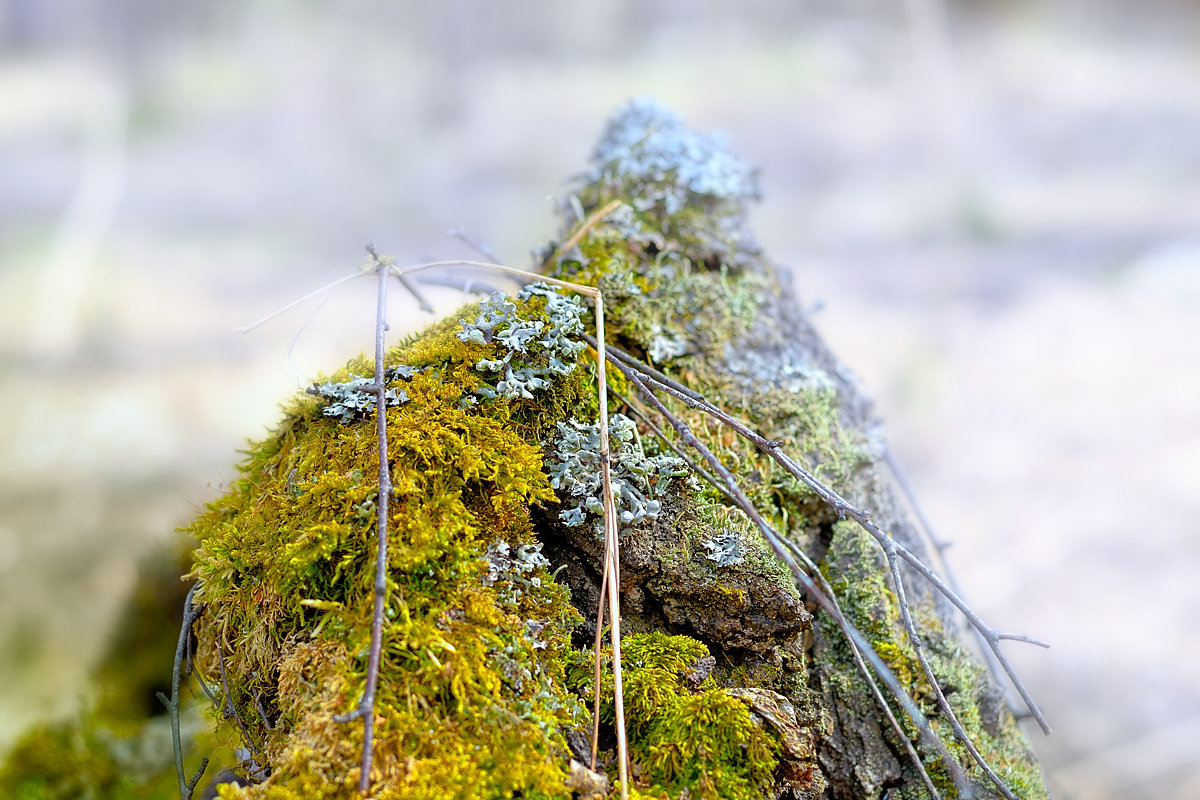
[638, 481]
[534, 351]
[650, 146]
[514, 566]
[355, 398]
[725, 548]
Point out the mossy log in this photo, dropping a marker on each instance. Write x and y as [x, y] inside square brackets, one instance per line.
[736, 685]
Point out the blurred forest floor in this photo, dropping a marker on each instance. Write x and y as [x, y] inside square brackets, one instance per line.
[1004, 231]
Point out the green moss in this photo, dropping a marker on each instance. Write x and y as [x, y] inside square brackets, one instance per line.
[285, 565]
[684, 736]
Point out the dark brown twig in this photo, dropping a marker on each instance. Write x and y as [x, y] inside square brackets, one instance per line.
[262, 712]
[228, 710]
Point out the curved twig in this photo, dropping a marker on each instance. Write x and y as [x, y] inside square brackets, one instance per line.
[845, 509]
[805, 582]
[190, 615]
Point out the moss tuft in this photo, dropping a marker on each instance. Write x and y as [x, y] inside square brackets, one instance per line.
[686, 736]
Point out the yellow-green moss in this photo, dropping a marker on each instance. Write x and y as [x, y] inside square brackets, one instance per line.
[469, 701]
[481, 687]
[685, 736]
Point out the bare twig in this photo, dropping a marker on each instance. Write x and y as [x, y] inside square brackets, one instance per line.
[366, 707]
[866, 673]
[845, 509]
[592, 221]
[462, 283]
[804, 581]
[914, 637]
[893, 551]
[596, 673]
[299, 300]
[612, 548]
[190, 615]
[471, 242]
[228, 710]
[676, 449]
[816, 574]
[940, 546]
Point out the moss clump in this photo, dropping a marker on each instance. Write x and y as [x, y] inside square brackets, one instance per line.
[686, 733]
[469, 697]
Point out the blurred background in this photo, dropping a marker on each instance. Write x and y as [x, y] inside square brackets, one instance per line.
[997, 204]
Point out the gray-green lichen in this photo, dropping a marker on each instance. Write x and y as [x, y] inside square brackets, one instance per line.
[638, 481]
[670, 163]
[534, 350]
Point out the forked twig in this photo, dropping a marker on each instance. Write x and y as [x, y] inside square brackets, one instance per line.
[845, 509]
[940, 546]
[366, 707]
[825, 587]
[190, 615]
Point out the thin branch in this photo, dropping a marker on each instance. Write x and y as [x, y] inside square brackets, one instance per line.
[819, 577]
[826, 588]
[191, 670]
[676, 449]
[472, 242]
[596, 673]
[462, 283]
[262, 712]
[299, 300]
[190, 615]
[589, 291]
[592, 221]
[941, 545]
[366, 707]
[914, 637]
[612, 550]
[228, 710]
[845, 509]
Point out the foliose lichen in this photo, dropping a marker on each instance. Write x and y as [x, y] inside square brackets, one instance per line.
[638, 480]
[651, 145]
[534, 350]
[725, 548]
